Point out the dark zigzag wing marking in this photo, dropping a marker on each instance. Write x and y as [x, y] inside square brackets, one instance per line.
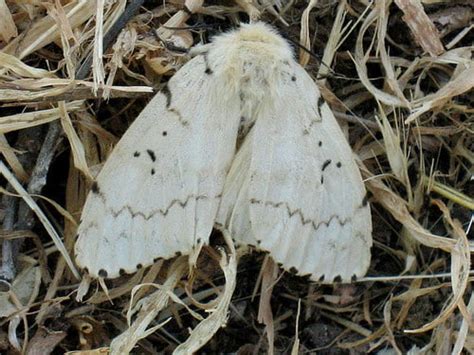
[161, 211]
[297, 212]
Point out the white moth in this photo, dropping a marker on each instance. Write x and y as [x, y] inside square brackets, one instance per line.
[239, 139]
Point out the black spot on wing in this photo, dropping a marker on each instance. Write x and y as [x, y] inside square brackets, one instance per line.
[293, 270]
[365, 200]
[321, 279]
[338, 278]
[122, 272]
[164, 133]
[293, 78]
[320, 144]
[338, 164]
[136, 154]
[326, 164]
[152, 172]
[103, 273]
[354, 278]
[139, 266]
[151, 154]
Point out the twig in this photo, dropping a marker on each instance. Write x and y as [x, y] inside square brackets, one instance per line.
[7, 271]
[27, 141]
[26, 218]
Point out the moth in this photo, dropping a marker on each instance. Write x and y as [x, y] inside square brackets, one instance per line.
[241, 139]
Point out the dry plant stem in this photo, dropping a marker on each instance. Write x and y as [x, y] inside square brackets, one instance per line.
[460, 265]
[45, 30]
[449, 193]
[335, 40]
[11, 158]
[421, 26]
[129, 12]
[76, 93]
[361, 57]
[207, 328]
[8, 28]
[179, 18]
[387, 317]
[364, 122]
[464, 330]
[126, 341]
[304, 34]
[265, 314]
[296, 344]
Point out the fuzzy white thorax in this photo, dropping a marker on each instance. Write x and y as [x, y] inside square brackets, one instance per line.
[248, 62]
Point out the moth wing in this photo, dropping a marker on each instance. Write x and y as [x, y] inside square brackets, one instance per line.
[158, 193]
[302, 197]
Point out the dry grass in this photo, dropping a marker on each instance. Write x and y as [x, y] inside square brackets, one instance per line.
[399, 76]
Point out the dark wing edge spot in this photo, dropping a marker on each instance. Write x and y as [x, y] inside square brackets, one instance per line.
[95, 188]
[365, 200]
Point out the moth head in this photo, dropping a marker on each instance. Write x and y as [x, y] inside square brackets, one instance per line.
[257, 43]
[250, 62]
[261, 33]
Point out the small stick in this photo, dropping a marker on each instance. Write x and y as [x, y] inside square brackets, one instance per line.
[27, 141]
[8, 270]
